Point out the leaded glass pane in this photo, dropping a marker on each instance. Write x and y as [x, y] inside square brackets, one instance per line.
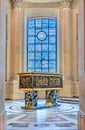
[52, 39]
[45, 23]
[37, 31]
[44, 55]
[45, 70]
[52, 70]
[45, 30]
[45, 47]
[45, 41]
[51, 64]
[52, 31]
[31, 64]
[38, 47]
[44, 64]
[30, 48]
[31, 70]
[38, 64]
[38, 23]
[31, 23]
[31, 40]
[52, 23]
[31, 32]
[38, 41]
[31, 56]
[52, 56]
[52, 48]
[38, 70]
[38, 55]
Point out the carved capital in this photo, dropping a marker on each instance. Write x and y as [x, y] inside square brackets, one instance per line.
[8, 5]
[66, 3]
[16, 3]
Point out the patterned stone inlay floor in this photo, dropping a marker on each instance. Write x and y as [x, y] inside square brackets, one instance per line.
[61, 117]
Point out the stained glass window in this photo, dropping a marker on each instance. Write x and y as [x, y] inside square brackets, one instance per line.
[41, 45]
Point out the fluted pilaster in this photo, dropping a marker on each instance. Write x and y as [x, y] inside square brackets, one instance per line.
[16, 48]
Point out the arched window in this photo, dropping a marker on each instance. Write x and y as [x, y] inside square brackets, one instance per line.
[41, 45]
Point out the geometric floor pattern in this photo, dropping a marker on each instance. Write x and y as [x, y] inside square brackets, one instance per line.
[61, 117]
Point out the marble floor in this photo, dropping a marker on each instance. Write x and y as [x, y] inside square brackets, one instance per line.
[61, 117]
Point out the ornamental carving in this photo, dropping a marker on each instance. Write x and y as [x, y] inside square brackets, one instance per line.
[40, 81]
[16, 3]
[66, 3]
[25, 82]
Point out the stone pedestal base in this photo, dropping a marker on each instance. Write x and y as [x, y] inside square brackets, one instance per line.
[31, 98]
[12, 90]
[67, 90]
[81, 120]
[76, 89]
[70, 89]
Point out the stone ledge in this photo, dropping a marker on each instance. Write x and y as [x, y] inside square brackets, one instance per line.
[69, 100]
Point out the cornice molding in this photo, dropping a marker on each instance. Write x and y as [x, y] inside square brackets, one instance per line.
[66, 3]
[16, 3]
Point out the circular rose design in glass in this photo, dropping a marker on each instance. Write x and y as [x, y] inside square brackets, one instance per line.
[41, 35]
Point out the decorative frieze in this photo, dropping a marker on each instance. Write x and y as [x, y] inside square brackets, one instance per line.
[16, 3]
[40, 81]
[66, 3]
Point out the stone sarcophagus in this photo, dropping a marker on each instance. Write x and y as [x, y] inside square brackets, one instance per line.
[40, 81]
[32, 82]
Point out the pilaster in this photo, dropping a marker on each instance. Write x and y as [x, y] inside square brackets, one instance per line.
[66, 17]
[81, 64]
[16, 41]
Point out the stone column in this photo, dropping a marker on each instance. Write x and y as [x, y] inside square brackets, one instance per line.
[2, 61]
[66, 42]
[16, 41]
[75, 52]
[8, 49]
[81, 59]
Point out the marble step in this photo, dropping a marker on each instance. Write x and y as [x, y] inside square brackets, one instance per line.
[68, 100]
